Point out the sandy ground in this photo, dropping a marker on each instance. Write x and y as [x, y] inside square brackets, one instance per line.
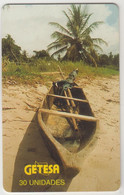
[22, 142]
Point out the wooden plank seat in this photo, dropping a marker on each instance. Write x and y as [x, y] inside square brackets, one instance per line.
[70, 115]
[69, 98]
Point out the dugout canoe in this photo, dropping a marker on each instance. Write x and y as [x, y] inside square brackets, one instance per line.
[67, 132]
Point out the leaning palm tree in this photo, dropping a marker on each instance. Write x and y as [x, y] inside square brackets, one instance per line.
[75, 39]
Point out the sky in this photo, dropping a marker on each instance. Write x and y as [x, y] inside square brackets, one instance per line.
[113, 17]
[29, 24]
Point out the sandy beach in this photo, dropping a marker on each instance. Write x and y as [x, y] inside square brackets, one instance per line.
[22, 142]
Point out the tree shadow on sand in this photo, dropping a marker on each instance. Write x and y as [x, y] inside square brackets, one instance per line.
[31, 149]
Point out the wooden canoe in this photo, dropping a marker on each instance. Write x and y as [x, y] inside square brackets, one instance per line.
[67, 132]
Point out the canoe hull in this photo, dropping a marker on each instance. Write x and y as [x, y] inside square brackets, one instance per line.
[66, 159]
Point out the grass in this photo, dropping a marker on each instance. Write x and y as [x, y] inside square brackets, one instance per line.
[85, 70]
[33, 72]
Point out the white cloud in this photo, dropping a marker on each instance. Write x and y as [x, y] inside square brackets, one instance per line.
[100, 12]
[108, 33]
[29, 25]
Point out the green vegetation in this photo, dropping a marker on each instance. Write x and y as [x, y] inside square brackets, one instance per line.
[81, 51]
[37, 72]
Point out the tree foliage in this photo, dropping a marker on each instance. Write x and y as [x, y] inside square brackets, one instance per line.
[10, 49]
[108, 60]
[13, 52]
[75, 39]
[41, 54]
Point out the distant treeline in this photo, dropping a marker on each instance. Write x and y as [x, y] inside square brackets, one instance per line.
[12, 52]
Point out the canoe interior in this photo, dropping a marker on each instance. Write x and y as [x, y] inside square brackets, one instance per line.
[62, 128]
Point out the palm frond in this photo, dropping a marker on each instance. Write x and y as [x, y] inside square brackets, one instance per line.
[59, 51]
[85, 22]
[69, 19]
[76, 16]
[55, 46]
[62, 37]
[87, 42]
[54, 42]
[97, 47]
[99, 41]
[92, 27]
[60, 27]
[69, 24]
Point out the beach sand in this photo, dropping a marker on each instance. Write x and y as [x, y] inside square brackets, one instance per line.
[22, 142]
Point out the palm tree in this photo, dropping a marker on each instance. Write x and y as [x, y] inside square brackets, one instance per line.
[75, 39]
